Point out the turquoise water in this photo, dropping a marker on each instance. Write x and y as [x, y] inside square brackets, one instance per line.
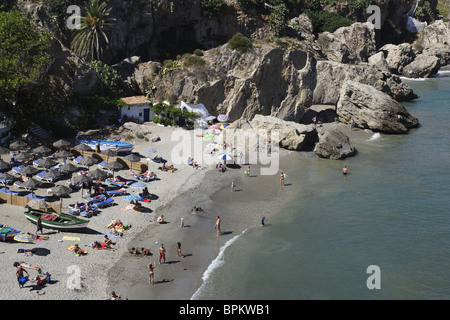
[391, 211]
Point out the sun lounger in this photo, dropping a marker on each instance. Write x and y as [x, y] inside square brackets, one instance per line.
[82, 206]
[102, 164]
[115, 183]
[78, 159]
[14, 162]
[41, 175]
[121, 179]
[18, 184]
[5, 181]
[113, 193]
[108, 202]
[95, 199]
[35, 162]
[17, 169]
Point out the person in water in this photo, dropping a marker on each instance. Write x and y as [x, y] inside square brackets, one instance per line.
[344, 170]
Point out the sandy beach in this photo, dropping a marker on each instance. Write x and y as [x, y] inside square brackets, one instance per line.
[95, 275]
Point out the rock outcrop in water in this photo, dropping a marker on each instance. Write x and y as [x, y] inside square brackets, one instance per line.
[373, 109]
[334, 145]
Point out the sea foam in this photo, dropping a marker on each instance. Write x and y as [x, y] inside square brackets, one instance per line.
[216, 263]
[375, 136]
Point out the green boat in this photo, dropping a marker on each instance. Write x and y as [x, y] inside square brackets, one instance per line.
[56, 221]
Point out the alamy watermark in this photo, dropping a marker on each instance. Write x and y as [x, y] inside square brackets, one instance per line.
[374, 280]
[74, 20]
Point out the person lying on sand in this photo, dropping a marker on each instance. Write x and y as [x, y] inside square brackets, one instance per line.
[134, 251]
[146, 252]
[160, 219]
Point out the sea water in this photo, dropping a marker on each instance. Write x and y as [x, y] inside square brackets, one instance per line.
[391, 211]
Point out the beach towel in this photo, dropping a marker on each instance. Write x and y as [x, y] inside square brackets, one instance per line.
[70, 238]
[109, 234]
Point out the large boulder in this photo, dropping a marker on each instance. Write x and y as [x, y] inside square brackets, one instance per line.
[398, 56]
[423, 66]
[334, 144]
[435, 40]
[291, 135]
[372, 109]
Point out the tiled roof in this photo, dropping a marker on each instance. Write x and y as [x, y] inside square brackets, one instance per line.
[135, 99]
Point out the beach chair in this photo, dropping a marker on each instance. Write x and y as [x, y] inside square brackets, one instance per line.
[18, 184]
[95, 199]
[106, 203]
[5, 181]
[123, 180]
[14, 162]
[102, 164]
[35, 162]
[41, 175]
[115, 183]
[16, 170]
[78, 159]
[113, 193]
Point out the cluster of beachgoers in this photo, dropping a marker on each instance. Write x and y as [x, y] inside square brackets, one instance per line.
[105, 203]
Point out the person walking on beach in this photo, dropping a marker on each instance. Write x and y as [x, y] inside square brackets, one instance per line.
[217, 226]
[162, 253]
[151, 273]
[20, 277]
[179, 254]
[352, 124]
[39, 225]
[248, 171]
[262, 221]
[233, 185]
[281, 178]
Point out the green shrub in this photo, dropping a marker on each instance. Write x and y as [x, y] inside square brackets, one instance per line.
[193, 60]
[198, 52]
[156, 119]
[240, 42]
[278, 19]
[325, 21]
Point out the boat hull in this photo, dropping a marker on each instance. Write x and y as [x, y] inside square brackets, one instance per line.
[9, 237]
[120, 147]
[65, 223]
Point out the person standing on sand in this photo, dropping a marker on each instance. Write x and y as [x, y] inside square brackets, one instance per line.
[281, 178]
[352, 124]
[233, 185]
[217, 226]
[248, 171]
[151, 273]
[262, 221]
[162, 253]
[39, 225]
[179, 254]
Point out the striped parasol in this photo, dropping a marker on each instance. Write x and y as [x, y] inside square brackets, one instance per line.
[222, 118]
[24, 237]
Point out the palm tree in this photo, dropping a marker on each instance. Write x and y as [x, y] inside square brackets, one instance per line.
[90, 37]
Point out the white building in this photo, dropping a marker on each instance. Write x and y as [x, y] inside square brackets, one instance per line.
[139, 109]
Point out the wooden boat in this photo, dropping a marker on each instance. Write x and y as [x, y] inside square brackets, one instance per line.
[7, 233]
[56, 221]
[118, 146]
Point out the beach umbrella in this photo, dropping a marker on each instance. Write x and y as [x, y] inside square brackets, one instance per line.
[52, 174]
[24, 237]
[98, 174]
[222, 118]
[225, 157]
[38, 204]
[4, 165]
[209, 118]
[82, 147]
[69, 167]
[82, 178]
[88, 161]
[222, 126]
[138, 185]
[63, 154]
[28, 170]
[4, 150]
[61, 189]
[113, 166]
[132, 158]
[22, 156]
[31, 183]
[46, 163]
[42, 150]
[109, 153]
[6, 176]
[16, 145]
[61, 143]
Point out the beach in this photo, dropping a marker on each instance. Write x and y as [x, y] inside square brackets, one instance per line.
[99, 272]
